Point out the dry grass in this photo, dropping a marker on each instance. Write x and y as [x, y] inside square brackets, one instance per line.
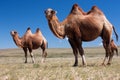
[58, 66]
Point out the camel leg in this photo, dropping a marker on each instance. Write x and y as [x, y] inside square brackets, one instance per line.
[44, 54]
[112, 53]
[110, 57]
[25, 51]
[106, 57]
[106, 45]
[31, 54]
[106, 51]
[81, 52]
[109, 52]
[75, 52]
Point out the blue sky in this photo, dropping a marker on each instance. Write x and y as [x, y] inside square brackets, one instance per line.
[20, 14]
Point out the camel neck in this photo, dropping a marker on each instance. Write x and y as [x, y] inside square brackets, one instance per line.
[57, 28]
[18, 41]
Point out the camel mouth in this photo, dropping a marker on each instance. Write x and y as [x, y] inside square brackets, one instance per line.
[12, 32]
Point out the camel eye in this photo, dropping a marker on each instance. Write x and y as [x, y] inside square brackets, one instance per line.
[15, 32]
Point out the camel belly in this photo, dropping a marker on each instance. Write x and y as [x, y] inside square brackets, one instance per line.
[90, 35]
[89, 38]
[35, 45]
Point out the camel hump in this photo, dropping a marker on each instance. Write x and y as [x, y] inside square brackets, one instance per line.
[37, 30]
[28, 28]
[77, 10]
[75, 5]
[94, 7]
[95, 10]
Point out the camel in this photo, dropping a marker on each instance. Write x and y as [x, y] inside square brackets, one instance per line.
[80, 26]
[113, 47]
[30, 42]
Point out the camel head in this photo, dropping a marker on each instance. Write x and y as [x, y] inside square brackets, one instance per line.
[16, 38]
[50, 13]
[13, 33]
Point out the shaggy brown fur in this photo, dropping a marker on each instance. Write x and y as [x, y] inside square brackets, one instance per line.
[30, 41]
[80, 27]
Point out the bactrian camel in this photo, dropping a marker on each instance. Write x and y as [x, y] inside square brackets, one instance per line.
[113, 47]
[80, 26]
[31, 41]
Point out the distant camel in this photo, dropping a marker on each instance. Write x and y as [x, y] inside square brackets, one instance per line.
[113, 47]
[31, 41]
[80, 26]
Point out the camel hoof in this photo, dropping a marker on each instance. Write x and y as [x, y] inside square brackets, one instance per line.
[75, 65]
[102, 64]
[108, 64]
[25, 62]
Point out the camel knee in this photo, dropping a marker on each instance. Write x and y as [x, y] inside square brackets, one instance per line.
[81, 51]
[31, 54]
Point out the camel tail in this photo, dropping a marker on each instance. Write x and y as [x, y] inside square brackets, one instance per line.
[115, 33]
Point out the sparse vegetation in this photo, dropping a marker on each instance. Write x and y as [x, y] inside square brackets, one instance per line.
[58, 66]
